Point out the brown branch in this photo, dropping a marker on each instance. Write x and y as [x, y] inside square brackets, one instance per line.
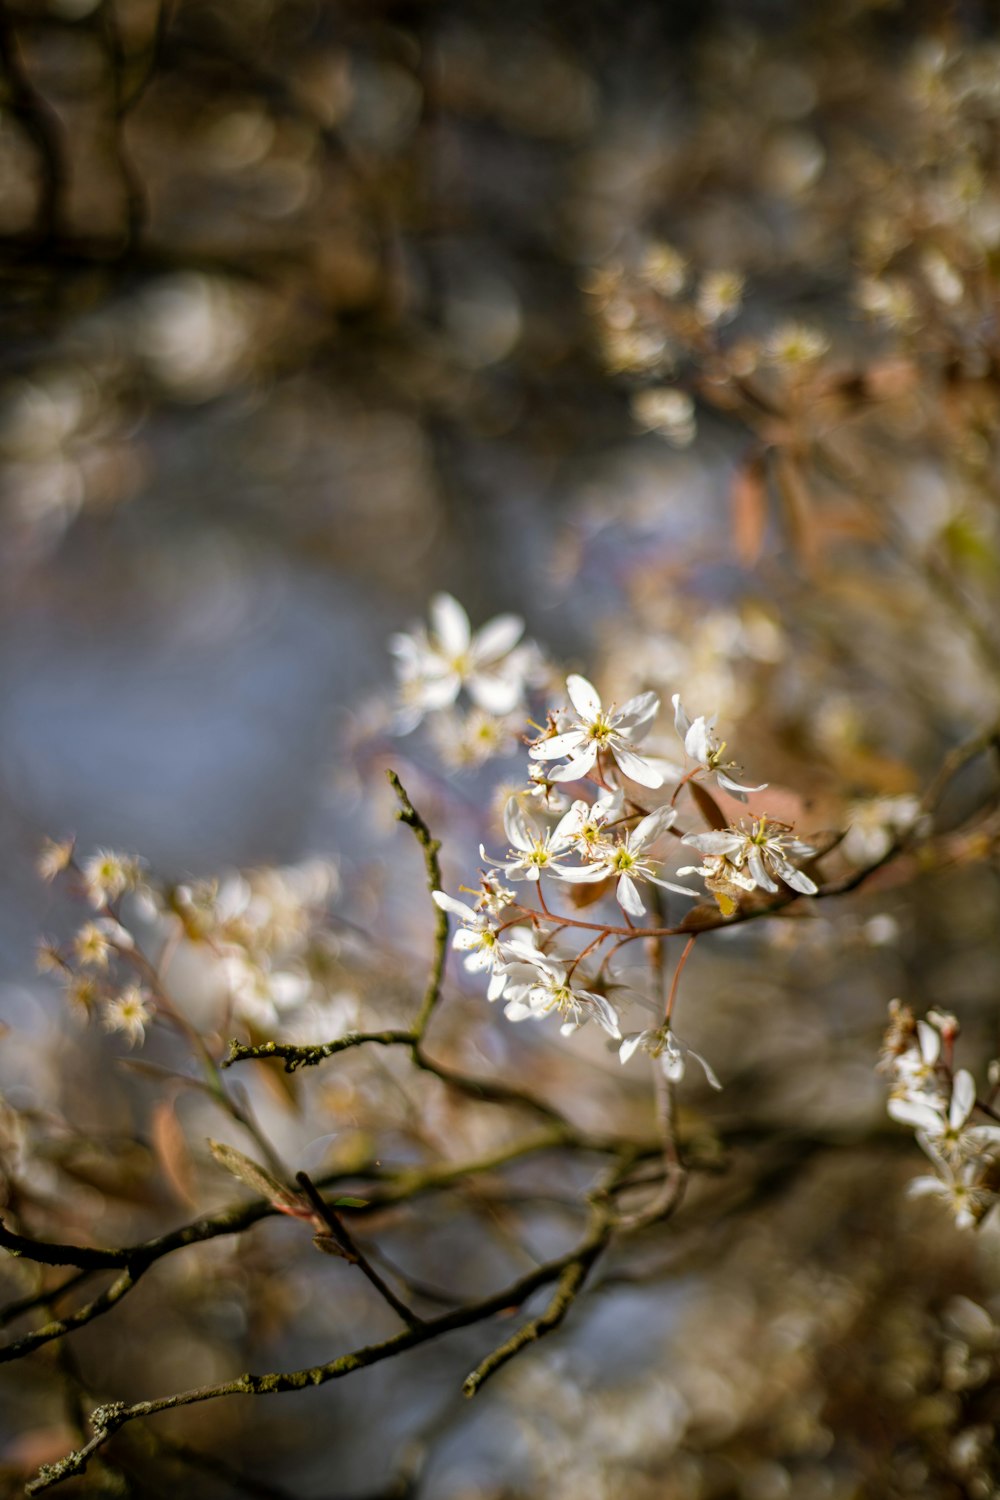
[352, 1252]
[107, 1420]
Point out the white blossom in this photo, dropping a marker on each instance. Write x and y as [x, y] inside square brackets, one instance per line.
[665, 1046]
[533, 846]
[703, 746]
[597, 729]
[762, 850]
[434, 666]
[538, 984]
[629, 859]
[477, 939]
[128, 1012]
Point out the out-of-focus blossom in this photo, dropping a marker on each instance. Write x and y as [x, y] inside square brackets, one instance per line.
[129, 1012]
[108, 875]
[668, 411]
[434, 666]
[875, 825]
[794, 345]
[720, 296]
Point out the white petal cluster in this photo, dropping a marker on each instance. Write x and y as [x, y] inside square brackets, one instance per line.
[535, 982]
[666, 1048]
[595, 731]
[706, 750]
[758, 854]
[586, 830]
[940, 1104]
[492, 666]
[605, 840]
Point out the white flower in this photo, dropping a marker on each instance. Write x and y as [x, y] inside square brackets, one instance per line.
[108, 875]
[128, 1012]
[720, 294]
[433, 666]
[260, 994]
[597, 729]
[763, 850]
[962, 1187]
[472, 739]
[672, 1054]
[937, 1119]
[538, 984]
[534, 847]
[917, 1070]
[477, 939]
[628, 859]
[544, 791]
[702, 745]
[97, 941]
[54, 858]
[876, 824]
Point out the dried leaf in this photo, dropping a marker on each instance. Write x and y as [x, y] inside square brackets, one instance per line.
[748, 501]
[171, 1148]
[798, 508]
[698, 918]
[707, 806]
[586, 894]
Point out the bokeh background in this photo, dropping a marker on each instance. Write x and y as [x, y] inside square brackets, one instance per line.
[311, 309]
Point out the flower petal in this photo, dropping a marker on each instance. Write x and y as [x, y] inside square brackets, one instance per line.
[493, 692]
[963, 1098]
[628, 897]
[681, 721]
[496, 638]
[558, 745]
[639, 770]
[583, 696]
[581, 764]
[451, 624]
[714, 843]
[649, 829]
[757, 870]
[456, 908]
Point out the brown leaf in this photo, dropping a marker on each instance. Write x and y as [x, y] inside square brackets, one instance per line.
[707, 806]
[798, 508]
[171, 1148]
[584, 895]
[748, 502]
[700, 917]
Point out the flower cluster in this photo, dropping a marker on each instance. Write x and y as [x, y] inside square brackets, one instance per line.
[941, 1105]
[254, 945]
[607, 841]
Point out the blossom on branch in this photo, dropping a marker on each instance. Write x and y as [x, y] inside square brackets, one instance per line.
[629, 859]
[538, 984]
[704, 747]
[761, 851]
[665, 1047]
[597, 729]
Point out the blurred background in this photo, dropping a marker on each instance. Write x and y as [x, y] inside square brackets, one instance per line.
[674, 329]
